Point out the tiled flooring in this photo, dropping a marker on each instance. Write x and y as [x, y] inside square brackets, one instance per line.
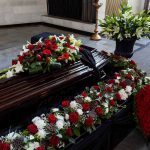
[12, 39]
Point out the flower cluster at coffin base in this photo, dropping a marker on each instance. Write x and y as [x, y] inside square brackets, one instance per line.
[126, 24]
[45, 56]
[85, 112]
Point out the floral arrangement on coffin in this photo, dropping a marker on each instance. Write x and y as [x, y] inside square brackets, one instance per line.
[62, 125]
[45, 56]
[142, 110]
[126, 24]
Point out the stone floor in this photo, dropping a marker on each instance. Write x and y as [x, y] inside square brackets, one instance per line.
[12, 39]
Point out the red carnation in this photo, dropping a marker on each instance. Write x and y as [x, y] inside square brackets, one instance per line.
[69, 132]
[14, 62]
[39, 57]
[109, 89]
[40, 148]
[118, 96]
[86, 106]
[30, 46]
[73, 117]
[4, 146]
[112, 102]
[89, 121]
[96, 87]
[99, 111]
[32, 128]
[123, 84]
[46, 52]
[84, 94]
[65, 103]
[54, 141]
[52, 118]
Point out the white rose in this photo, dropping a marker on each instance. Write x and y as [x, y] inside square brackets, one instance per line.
[32, 146]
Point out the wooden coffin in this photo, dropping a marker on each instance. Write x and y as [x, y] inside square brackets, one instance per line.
[21, 94]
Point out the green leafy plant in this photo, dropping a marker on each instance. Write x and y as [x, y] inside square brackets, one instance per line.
[126, 24]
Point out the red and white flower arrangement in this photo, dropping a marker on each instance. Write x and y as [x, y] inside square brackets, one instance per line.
[88, 109]
[45, 55]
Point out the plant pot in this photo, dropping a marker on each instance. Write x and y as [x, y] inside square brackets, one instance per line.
[125, 47]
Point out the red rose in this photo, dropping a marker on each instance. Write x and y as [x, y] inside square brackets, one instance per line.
[61, 38]
[52, 118]
[86, 106]
[30, 47]
[65, 103]
[84, 94]
[14, 62]
[99, 95]
[96, 87]
[69, 132]
[111, 81]
[89, 121]
[47, 59]
[99, 111]
[20, 58]
[40, 148]
[39, 57]
[48, 44]
[123, 84]
[65, 56]
[129, 76]
[111, 102]
[4, 146]
[46, 52]
[116, 75]
[54, 47]
[118, 96]
[73, 117]
[132, 62]
[54, 141]
[32, 128]
[109, 89]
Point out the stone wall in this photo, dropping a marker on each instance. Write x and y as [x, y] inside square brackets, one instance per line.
[21, 11]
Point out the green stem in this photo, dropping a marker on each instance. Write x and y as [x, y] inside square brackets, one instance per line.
[4, 70]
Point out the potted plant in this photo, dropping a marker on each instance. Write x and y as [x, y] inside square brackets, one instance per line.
[125, 28]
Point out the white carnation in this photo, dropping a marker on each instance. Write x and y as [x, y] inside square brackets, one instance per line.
[73, 104]
[60, 124]
[39, 122]
[80, 112]
[41, 133]
[128, 89]
[123, 94]
[11, 136]
[66, 116]
[87, 99]
[55, 109]
[32, 146]
[60, 117]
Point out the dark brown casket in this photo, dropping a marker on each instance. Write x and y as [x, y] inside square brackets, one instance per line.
[22, 95]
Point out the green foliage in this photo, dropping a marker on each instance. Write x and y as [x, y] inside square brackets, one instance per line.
[126, 24]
